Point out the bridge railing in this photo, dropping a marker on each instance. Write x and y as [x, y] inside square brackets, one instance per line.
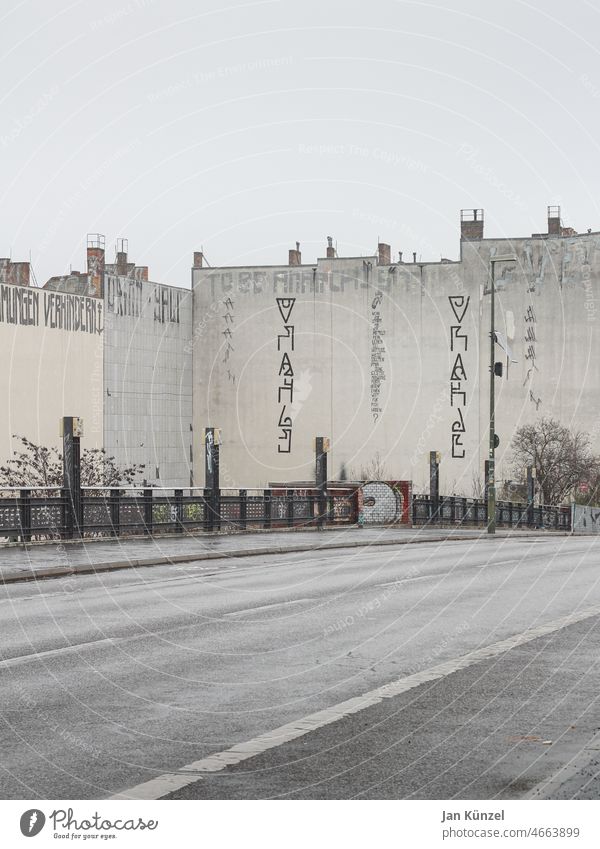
[50, 512]
[455, 510]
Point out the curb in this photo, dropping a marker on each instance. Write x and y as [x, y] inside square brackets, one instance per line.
[115, 565]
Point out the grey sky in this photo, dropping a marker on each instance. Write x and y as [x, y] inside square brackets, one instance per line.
[246, 127]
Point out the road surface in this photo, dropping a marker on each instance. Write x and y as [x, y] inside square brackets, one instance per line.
[113, 684]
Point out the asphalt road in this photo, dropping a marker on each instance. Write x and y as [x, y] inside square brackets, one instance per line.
[108, 681]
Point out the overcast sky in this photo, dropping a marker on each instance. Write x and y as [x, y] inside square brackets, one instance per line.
[244, 127]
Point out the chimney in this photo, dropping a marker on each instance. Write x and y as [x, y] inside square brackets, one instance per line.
[295, 257]
[198, 259]
[330, 248]
[471, 224]
[414, 256]
[121, 258]
[95, 262]
[384, 254]
[554, 222]
[399, 256]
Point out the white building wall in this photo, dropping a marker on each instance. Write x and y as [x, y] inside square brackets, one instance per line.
[375, 354]
[51, 346]
[148, 378]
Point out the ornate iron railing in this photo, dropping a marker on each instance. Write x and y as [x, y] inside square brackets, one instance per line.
[453, 510]
[49, 512]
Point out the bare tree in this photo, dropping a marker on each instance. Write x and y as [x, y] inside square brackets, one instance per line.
[477, 484]
[37, 466]
[562, 458]
[374, 470]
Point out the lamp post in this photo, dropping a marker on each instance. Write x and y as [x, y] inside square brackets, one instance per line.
[491, 493]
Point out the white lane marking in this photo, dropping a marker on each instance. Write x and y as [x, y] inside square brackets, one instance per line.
[273, 606]
[171, 781]
[42, 655]
[501, 562]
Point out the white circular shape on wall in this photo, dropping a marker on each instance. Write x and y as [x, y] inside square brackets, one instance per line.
[380, 503]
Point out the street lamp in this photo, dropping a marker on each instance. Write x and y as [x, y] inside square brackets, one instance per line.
[491, 492]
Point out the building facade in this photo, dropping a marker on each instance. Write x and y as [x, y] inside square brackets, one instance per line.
[107, 345]
[392, 359]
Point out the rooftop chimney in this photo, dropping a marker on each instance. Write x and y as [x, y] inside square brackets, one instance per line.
[399, 256]
[95, 262]
[295, 257]
[198, 259]
[14, 272]
[121, 258]
[384, 254]
[554, 222]
[414, 256]
[471, 224]
[330, 248]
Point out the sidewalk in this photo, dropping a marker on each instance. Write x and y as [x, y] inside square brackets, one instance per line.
[55, 560]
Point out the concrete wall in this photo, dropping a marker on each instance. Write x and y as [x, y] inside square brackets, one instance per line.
[393, 361]
[148, 378]
[585, 520]
[548, 308]
[51, 347]
[371, 362]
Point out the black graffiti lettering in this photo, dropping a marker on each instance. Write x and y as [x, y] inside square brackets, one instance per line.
[286, 386]
[455, 335]
[289, 328]
[287, 440]
[457, 392]
[286, 367]
[285, 307]
[459, 304]
[458, 426]
[458, 451]
[458, 370]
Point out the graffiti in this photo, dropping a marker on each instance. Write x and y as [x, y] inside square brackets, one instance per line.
[377, 355]
[530, 339]
[286, 375]
[227, 332]
[166, 304]
[55, 310]
[458, 375]
[535, 265]
[125, 297]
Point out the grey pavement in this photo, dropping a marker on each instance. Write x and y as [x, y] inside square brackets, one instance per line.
[51, 559]
[110, 680]
[498, 730]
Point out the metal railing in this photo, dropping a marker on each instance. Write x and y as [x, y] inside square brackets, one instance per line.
[49, 512]
[454, 510]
